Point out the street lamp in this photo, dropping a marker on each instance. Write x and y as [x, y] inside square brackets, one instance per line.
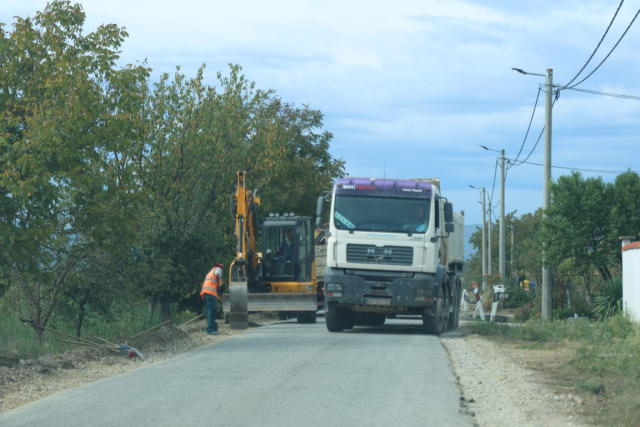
[547, 307]
[484, 246]
[502, 263]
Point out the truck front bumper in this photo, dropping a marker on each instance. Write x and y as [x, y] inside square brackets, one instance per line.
[364, 292]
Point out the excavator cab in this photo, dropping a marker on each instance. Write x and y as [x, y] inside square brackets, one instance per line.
[288, 254]
[280, 279]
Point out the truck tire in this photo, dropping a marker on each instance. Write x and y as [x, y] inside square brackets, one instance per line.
[375, 319]
[436, 323]
[307, 317]
[283, 315]
[350, 317]
[334, 319]
[454, 314]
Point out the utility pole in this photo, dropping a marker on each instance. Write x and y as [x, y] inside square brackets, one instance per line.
[489, 242]
[547, 307]
[547, 303]
[502, 225]
[512, 250]
[484, 244]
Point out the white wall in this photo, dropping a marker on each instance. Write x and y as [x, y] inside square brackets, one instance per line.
[631, 279]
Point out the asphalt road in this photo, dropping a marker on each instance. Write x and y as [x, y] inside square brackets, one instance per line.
[282, 375]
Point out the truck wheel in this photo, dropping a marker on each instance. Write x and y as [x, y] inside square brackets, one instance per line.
[454, 313]
[307, 317]
[350, 317]
[334, 319]
[436, 324]
[283, 315]
[375, 319]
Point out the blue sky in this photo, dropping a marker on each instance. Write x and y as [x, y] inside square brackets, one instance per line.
[413, 88]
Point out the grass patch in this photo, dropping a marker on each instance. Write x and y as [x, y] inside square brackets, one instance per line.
[18, 340]
[600, 361]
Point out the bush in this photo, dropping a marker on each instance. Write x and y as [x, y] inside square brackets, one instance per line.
[609, 300]
[517, 297]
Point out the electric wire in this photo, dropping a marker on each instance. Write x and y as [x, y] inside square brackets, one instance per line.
[583, 169]
[610, 52]
[495, 172]
[615, 95]
[535, 105]
[597, 47]
[539, 137]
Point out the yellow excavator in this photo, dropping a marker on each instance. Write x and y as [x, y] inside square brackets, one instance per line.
[281, 278]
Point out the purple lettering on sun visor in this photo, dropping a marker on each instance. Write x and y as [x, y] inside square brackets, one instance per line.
[383, 187]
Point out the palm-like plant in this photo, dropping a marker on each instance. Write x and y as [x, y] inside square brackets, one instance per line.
[609, 300]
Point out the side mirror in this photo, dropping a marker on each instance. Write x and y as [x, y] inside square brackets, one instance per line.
[449, 227]
[448, 212]
[320, 210]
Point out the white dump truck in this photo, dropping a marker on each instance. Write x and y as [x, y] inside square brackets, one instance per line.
[394, 247]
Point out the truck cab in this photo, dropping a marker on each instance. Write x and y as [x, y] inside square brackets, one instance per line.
[392, 249]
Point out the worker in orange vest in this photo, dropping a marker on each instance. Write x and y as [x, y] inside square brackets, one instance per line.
[210, 292]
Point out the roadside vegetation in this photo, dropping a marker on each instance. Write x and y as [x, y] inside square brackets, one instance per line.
[115, 189]
[591, 346]
[603, 366]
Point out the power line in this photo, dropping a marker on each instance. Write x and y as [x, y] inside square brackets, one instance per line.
[495, 172]
[539, 136]
[597, 47]
[529, 128]
[610, 52]
[581, 169]
[615, 95]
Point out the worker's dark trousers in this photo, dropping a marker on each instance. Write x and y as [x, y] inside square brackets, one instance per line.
[211, 305]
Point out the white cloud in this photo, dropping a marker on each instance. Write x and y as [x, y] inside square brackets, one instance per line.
[413, 87]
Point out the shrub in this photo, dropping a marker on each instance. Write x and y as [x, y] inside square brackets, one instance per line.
[517, 297]
[609, 300]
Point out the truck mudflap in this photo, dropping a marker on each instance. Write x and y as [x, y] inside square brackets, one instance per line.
[239, 302]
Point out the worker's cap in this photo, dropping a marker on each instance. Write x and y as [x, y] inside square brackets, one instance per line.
[218, 265]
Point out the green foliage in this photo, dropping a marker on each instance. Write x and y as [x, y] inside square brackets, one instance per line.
[113, 194]
[576, 224]
[526, 253]
[201, 137]
[609, 300]
[66, 131]
[517, 297]
[618, 327]
[585, 219]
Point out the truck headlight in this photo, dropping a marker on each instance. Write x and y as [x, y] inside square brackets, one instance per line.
[333, 287]
[422, 294]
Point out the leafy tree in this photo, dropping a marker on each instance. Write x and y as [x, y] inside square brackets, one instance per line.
[625, 212]
[527, 257]
[577, 223]
[67, 120]
[198, 138]
[307, 167]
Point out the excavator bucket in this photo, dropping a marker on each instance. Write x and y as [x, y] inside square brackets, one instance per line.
[235, 303]
[264, 302]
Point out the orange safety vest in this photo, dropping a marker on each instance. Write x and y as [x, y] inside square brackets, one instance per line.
[211, 284]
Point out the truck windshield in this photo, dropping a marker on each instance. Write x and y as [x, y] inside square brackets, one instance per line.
[392, 214]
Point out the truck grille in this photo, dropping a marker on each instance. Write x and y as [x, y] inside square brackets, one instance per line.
[386, 255]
